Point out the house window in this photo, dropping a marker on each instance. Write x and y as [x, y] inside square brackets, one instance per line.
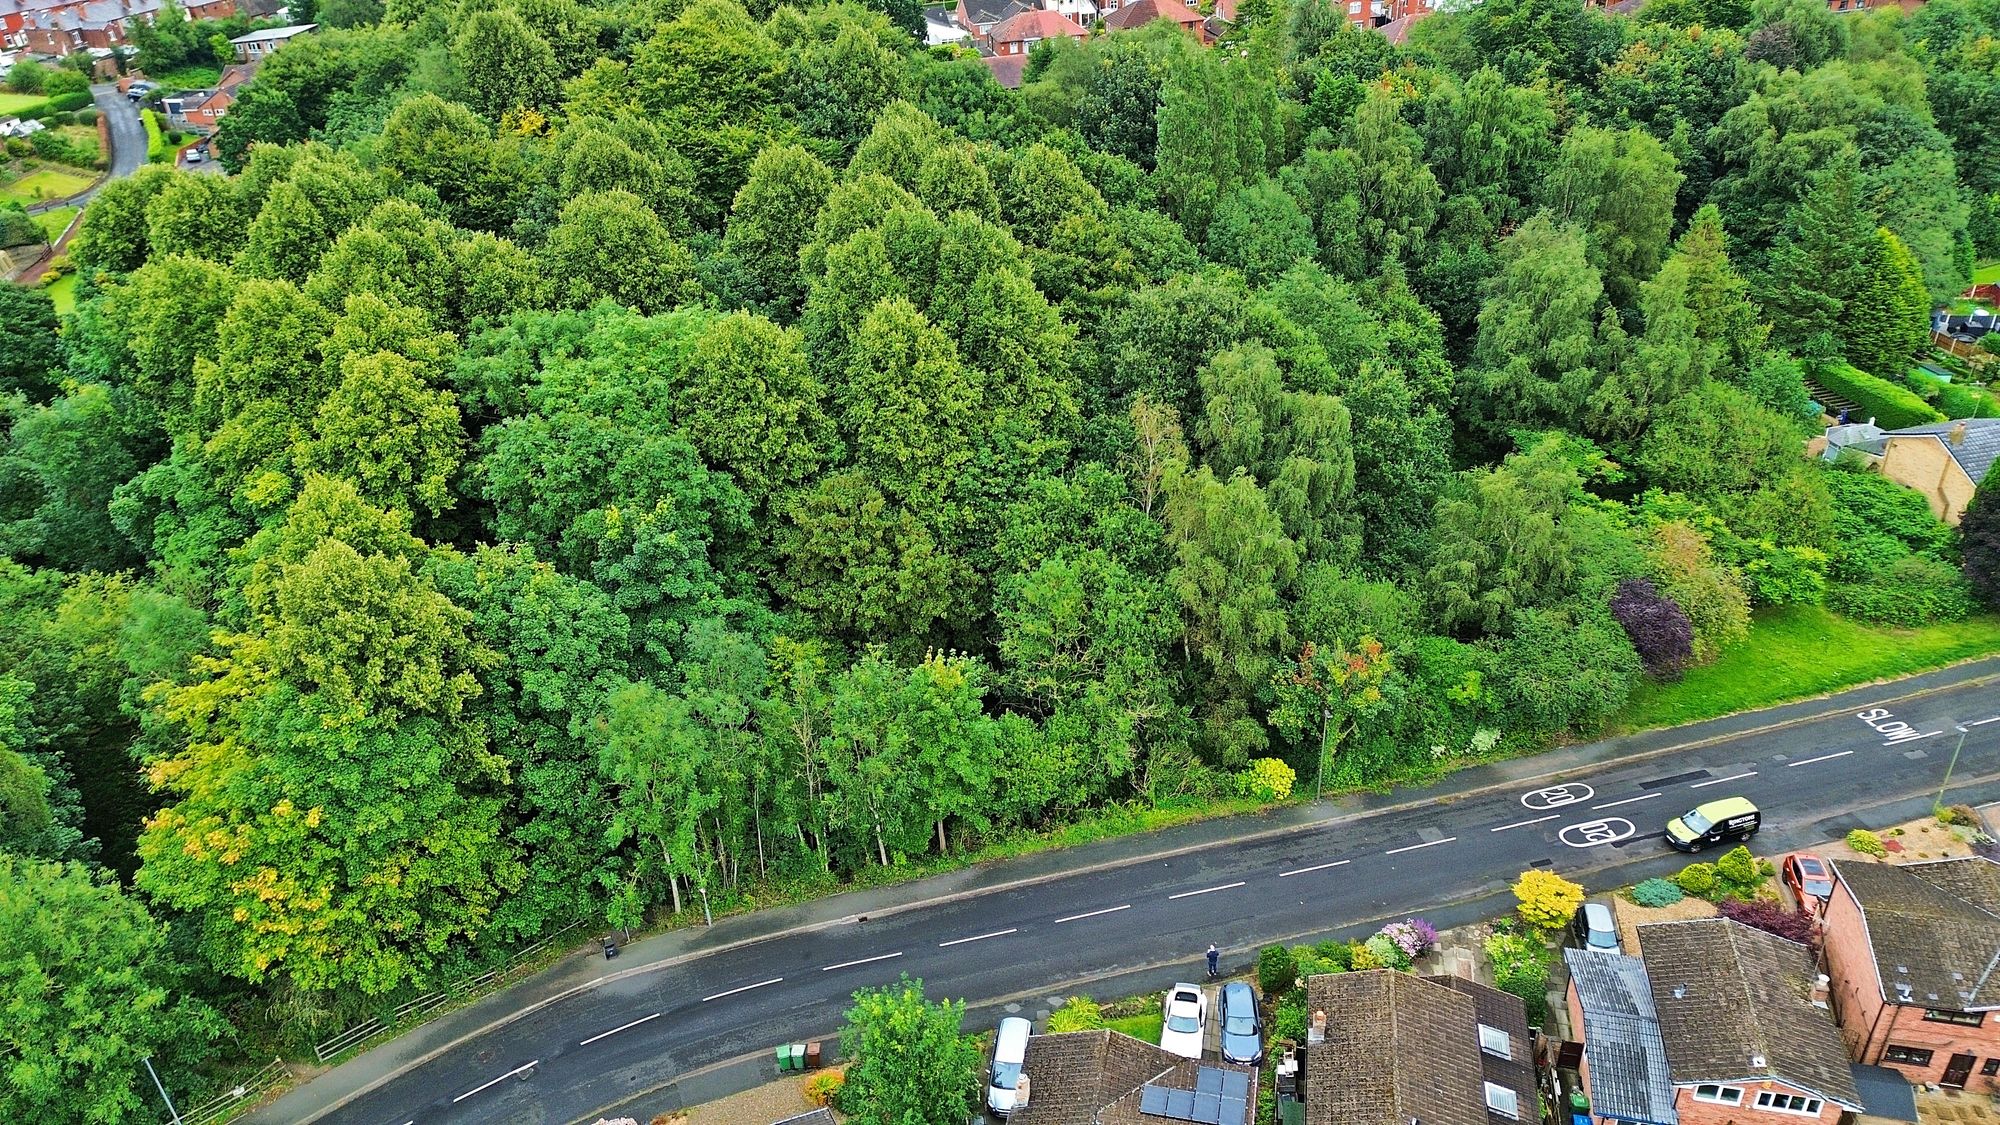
[1967, 1019]
[1494, 1041]
[1990, 1068]
[1908, 1056]
[1788, 1103]
[1501, 1100]
[1721, 1095]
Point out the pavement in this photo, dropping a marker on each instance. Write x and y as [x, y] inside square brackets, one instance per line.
[694, 1014]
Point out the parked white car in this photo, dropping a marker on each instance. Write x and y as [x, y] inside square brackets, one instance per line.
[1187, 1018]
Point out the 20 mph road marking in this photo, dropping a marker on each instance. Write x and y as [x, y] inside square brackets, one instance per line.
[1310, 870]
[1524, 823]
[1425, 844]
[977, 937]
[1720, 780]
[1092, 914]
[863, 961]
[496, 1081]
[745, 988]
[1821, 758]
[1207, 890]
[616, 1030]
[1626, 801]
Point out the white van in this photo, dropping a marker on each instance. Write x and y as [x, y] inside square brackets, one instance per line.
[1009, 1050]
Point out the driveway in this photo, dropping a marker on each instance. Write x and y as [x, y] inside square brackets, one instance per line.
[128, 135]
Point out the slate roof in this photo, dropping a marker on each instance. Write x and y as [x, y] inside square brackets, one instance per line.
[1094, 1078]
[1036, 23]
[986, 13]
[1398, 1048]
[1934, 929]
[1885, 1093]
[1139, 13]
[1735, 1004]
[1975, 454]
[1621, 1038]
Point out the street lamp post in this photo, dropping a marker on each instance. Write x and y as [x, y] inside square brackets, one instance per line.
[707, 918]
[1952, 765]
[171, 1111]
[1319, 774]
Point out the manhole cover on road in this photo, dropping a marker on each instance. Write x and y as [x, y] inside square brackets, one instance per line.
[485, 1056]
[1431, 835]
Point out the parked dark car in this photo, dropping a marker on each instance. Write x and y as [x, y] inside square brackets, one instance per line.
[1242, 1032]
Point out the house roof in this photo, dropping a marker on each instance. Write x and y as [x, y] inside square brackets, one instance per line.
[1885, 1093]
[1007, 69]
[1036, 23]
[1864, 436]
[1398, 1048]
[1975, 454]
[1621, 1037]
[986, 13]
[275, 33]
[1735, 1003]
[1397, 30]
[1934, 929]
[1142, 12]
[1503, 1012]
[1096, 1078]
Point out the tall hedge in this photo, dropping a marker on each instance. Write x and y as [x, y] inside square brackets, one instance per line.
[1892, 407]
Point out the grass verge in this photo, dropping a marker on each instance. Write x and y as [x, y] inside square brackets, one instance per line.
[187, 78]
[62, 293]
[23, 105]
[1986, 274]
[54, 222]
[1144, 1027]
[45, 184]
[1801, 651]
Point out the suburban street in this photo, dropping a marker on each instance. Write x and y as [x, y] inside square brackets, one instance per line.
[1143, 924]
[128, 135]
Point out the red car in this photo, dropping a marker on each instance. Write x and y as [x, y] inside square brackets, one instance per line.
[1810, 879]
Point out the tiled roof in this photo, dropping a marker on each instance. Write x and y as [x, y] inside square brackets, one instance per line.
[1038, 23]
[1502, 1012]
[1735, 1003]
[986, 13]
[1142, 12]
[1975, 453]
[1094, 1078]
[1934, 929]
[1007, 69]
[1398, 1048]
[1621, 1037]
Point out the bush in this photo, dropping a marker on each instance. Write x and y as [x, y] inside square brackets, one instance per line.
[1267, 779]
[1288, 1019]
[87, 115]
[1547, 900]
[1772, 919]
[1917, 589]
[1277, 970]
[1386, 953]
[1737, 871]
[1657, 892]
[824, 1087]
[1867, 843]
[1660, 631]
[1697, 879]
[1078, 1013]
[1958, 816]
[1528, 980]
[69, 101]
[1414, 936]
[1893, 407]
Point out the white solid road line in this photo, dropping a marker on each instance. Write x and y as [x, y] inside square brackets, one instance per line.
[1309, 870]
[977, 937]
[1821, 758]
[1092, 914]
[745, 988]
[1626, 801]
[496, 1081]
[1524, 823]
[1425, 844]
[1983, 722]
[616, 1030]
[863, 961]
[1207, 890]
[1720, 780]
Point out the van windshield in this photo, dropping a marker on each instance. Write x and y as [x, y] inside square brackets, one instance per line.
[1696, 823]
[1006, 1076]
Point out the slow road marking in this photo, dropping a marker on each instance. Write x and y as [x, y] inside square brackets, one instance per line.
[862, 961]
[616, 1030]
[1626, 801]
[1983, 722]
[1524, 823]
[1821, 758]
[745, 988]
[496, 1081]
[1720, 780]
[977, 937]
[1425, 844]
[1310, 870]
[1092, 914]
[1206, 890]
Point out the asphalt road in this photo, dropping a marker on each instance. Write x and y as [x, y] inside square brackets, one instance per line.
[128, 136]
[1148, 922]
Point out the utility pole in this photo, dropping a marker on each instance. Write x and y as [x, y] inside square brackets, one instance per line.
[1319, 775]
[1938, 805]
[707, 918]
[171, 1111]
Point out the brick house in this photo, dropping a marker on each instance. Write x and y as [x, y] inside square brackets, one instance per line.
[1398, 1048]
[1104, 1078]
[1945, 461]
[62, 29]
[257, 44]
[209, 9]
[1139, 13]
[202, 110]
[1724, 1031]
[977, 17]
[1911, 956]
[1018, 33]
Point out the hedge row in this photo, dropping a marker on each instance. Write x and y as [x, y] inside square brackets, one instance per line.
[63, 103]
[1956, 400]
[1892, 407]
[157, 149]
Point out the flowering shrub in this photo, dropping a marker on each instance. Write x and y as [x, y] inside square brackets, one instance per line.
[1413, 938]
[1267, 779]
[1386, 952]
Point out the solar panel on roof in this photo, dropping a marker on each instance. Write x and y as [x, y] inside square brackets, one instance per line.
[1153, 1100]
[1235, 1111]
[1208, 1080]
[1236, 1084]
[1207, 1108]
[1180, 1103]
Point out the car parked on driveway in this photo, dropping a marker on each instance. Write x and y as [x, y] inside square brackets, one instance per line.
[1810, 879]
[1187, 1018]
[1593, 928]
[1010, 1050]
[1242, 1032]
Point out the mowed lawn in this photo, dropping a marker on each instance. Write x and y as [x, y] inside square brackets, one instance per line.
[1144, 1027]
[55, 221]
[1801, 651]
[45, 184]
[1986, 274]
[13, 105]
[62, 293]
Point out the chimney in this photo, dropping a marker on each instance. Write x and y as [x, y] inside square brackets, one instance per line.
[1958, 433]
[1819, 991]
[1021, 1091]
[1317, 1033]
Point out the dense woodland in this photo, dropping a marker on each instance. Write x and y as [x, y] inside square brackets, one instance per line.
[590, 455]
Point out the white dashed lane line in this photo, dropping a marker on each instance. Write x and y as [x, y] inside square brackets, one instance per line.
[1091, 914]
[977, 937]
[1983, 722]
[1310, 870]
[1720, 780]
[1821, 758]
[1626, 801]
[1425, 844]
[496, 1081]
[1525, 823]
[1206, 890]
[862, 961]
[745, 988]
[619, 1028]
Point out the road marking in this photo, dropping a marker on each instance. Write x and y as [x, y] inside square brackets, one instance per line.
[1310, 870]
[1555, 796]
[745, 988]
[977, 937]
[1913, 738]
[1425, 844]
[496, 1081]
[1983, 722]
[863, 961]
[1524, 823]
[1206, 890]
[616, 1030]
[1626, 801]
[1720, 780]
[1821, 758]
[1590, 833]
[1092, 914]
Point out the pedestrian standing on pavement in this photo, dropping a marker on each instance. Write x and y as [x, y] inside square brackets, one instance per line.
[1214, 961]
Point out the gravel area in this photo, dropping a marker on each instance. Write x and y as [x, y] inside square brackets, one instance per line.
[771, 1102]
